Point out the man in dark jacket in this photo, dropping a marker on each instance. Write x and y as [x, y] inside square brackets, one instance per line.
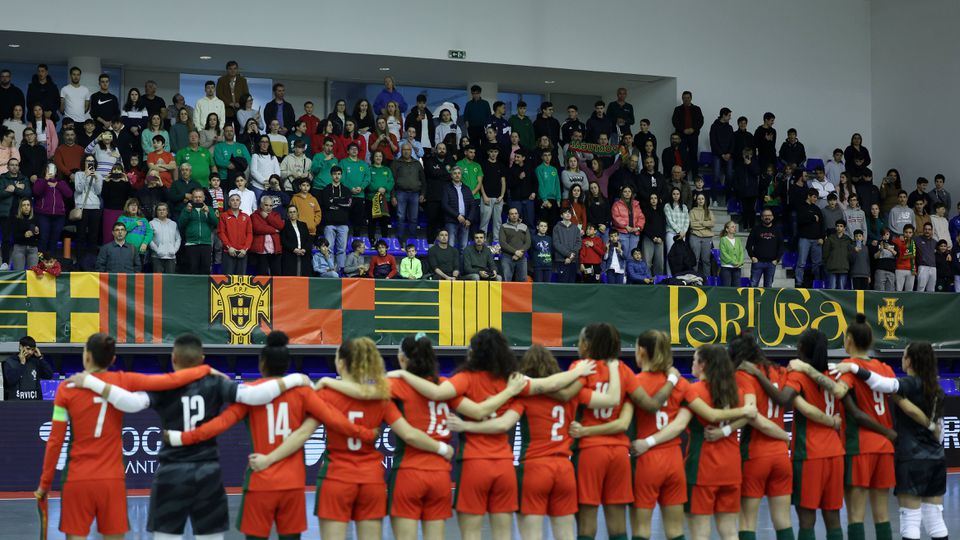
[546, 124]
[765, 139]
[599, 123]
[681, 258]
[10, 95]
[742, 138]
[118, 257]
[793, 151]
[571, 124]
[460, 209]
[436, 168]
[650, 182]
[624, 177]
[810, 237]
[688, 121]
[42, 90]
[335, 201]
[674, 155]
[765, 249]
[279, 110]
[22, 372]
[721, 146]
[621, 113]
[421, 119]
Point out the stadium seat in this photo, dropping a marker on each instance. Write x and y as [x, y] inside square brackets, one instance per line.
[713, 281]
[706, 159]
[658, 279]
[744, 282]
[422, 245]
[818, 284]
[789, 259]
[716, 255]
[734, 207]
[812, 164]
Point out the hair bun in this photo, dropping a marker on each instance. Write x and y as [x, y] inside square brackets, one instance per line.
[277, 338]
[861, 318]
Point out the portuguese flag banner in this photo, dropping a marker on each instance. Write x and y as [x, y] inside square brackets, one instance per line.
[155, 308]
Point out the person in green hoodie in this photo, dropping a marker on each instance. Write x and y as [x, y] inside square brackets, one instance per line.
[732, 255]
[382, 182]
[320, 168]
[139, 232]
[548, 190]
[197, 223]
[522, 125]
[837, 248]
[356, 178]
[224, 152]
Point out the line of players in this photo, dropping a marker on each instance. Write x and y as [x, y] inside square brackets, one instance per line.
[579, 429]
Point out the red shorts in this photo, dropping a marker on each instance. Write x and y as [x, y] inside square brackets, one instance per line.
[660, 478]
[259, 510]
[604, 475]
[346, 501]
[83, 500]
[767, 476]
[874, 471]
[548, 487]
[486, 486]
[818, 483]
[709, 500]
[420, 495]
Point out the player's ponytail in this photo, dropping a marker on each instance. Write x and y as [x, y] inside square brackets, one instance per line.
[923, 361]
[275, 356]
[656, 344]
[721, 379]
[363, 362]
[538, 362]
[860, 334]
[421, 358]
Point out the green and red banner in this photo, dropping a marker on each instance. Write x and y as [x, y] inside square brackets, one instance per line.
[155, 308]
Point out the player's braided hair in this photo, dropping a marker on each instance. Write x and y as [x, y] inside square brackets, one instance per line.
[363, 362]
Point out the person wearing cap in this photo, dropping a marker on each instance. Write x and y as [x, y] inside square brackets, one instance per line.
[23, 371]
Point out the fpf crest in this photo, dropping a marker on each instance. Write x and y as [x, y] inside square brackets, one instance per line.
[240, 304]
[890, 317]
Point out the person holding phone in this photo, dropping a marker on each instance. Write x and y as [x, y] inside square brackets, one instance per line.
[23, 371]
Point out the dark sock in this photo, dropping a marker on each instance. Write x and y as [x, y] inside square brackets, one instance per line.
[681, 537]
[883, 530]
[639, 538]
[618, 536]
[289, 537]
[807, 534]
[249, 537]
[837, 534]
[748, 535]
[856, 531]
[785, 534]
[584, 537]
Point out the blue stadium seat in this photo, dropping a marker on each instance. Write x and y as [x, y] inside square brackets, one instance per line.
[658, 279]
[708, 180]
[734, 206]
[819, 284]
[706, 159]
[422, 245]
[713, 281]
[716, 255]
[813, 163]
[949, 386]
[744, 282]
[790, 259]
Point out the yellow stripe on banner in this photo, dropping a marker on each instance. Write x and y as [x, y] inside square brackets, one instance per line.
[405, 331]
[860, 297]
[469, 310]
[496, 306]
[446, 317]
[404, 289]
[42, 326]
[406, 303]
[483, 305]
[83, 325]
[41, 287]
[85, 285]
[12, 311]
[456, 306]
[428, 317]
[14, 281]
[13, 326]
[13, 296]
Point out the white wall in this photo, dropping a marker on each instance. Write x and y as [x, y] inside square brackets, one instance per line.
[914, 77]
[809, 61]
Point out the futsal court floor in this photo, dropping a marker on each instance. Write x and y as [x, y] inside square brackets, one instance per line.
[19, 521]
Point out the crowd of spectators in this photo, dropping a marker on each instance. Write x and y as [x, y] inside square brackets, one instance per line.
[224, 186]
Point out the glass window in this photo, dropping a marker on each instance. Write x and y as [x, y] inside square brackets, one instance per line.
[352, 92]
[22, 74]
[191, 87]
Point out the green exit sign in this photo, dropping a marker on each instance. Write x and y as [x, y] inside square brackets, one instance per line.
[457, 54]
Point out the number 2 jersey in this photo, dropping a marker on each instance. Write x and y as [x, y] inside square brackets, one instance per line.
[96, 448]
[812, 440]
[599, 382]
[861, 440]
[269, 425]
[753, 442]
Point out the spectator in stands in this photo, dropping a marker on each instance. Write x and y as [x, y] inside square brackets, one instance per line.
[687, 122]
[211, 133]
[478, 263]
[860, 262]
[541, 253]
[46, 132]
[378, 195]
[230, 89]
[498, 122]
[382, 265]
[521, 187]
[165, 242]
[118, 256]
[300, 134]
[384, 141]
[265, 246]
[854, 216]
[26, 232]
[321, 164]
[338, 117]
[155, 104]
[460, 209]
[831, 213]
[835, 167]
[674, 156]
[493, 189]
[890, 192]
[139, 233]
[678, 181]
[10, 95]
[51, 194]
[180, 131]
[792, 150]
[906, 269]
[127, 139]
[649, 151]
[945, 274]
[765, 249]
[621, 113]
[732, 256]
[566, 247]
[230, 157]
[919, 194]
[874, 226]
[278, 141]
[308, 209]
[572, 175]
[628, 219]
[278, 109]
[548, 189]
[592, 252]
[475, 114]
[295, 167]
[67, 155]
[721, 146]
[106, 152]
[312, 122]
[700, 189]
[637, 271]
[436, 168]
[13, 188]
[295, 242]
[323, 263]
[33, 156]
[650, 182]
[88, 186]
[134, 114]
[746, 172]
[701, 234]
[599, 124]
[682, 261]
[885, 257]
[236, 232]
[571, 125]
[598, 209]
[546, 125]
[900, 215]
[677, 216]
[941, 227]
[820, 183]
[209, 104]
[248, 118]
[837, 248]
[23, 371]
[15, 124]
[939, 194]
[575, 201]
[846, 189]
[614, 177]
[926, 260]
[199, 159]
[920, 215]
[248, 199]
[765, 140]
[115, 191]
[614, 261]
[411, 190]
[410, 266]
[44, 91]
[955, 224]
[443, 261]
[198, 222]
[773, 190]
[410, 138]
[472, 171]
[857, 157]
[810, 232]
[355, 264]
[522, 125]
[420, 120]
[514, 238]
[263, 164]
[447, 128]
[742, 138]
[154, 128]
[654, 231]
[387, 94]
[181, 190]
[337, 202]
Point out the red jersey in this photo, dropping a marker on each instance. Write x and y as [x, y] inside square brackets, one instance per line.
[96, 448]
[349, 459]
[545, 425]
[270, 425]
[429, 417]
[708, 463]
[599, 382]
[478, 386]
[860, 440]
[753, 443]
[812, 440]
[646, 424]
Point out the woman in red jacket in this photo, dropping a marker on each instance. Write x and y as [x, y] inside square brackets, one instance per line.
[350, 135]
[266, 238]
[236, 233]
[628, 219]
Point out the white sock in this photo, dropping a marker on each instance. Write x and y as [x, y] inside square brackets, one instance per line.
[214, 536]
[933, 520]
[165, 536]
[910, 523]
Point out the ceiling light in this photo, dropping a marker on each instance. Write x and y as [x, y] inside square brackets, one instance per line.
[205, 57]
[14, 45]
[549, 82]
[384, 69]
